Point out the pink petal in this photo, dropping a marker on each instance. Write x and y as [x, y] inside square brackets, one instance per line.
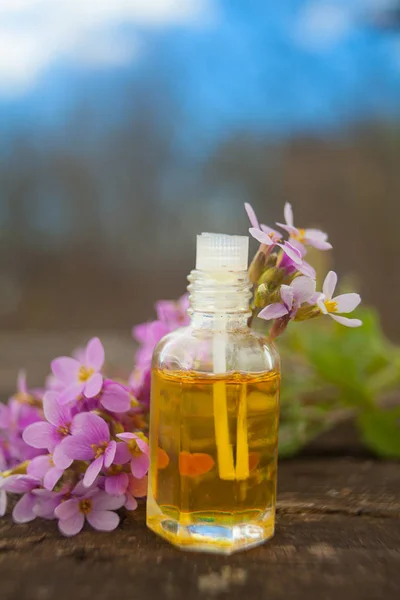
[52, 477]
[103, 520]
[93, 385]
[67, 509]
[318, 239]
[273, 311]
[287, 295]
[73, 525]
[24, 509]
[94, 357]
[269, 231]
[252, 215]
[115, 398]
[306, 269]
[289, 228]
[77, 447]
[329, 284]
[140, 465]
[41, 435]
[122, 454]
[19, 484]
[303, 288]
[103, 501]
[319, 244]
[321, 304]
[92, 471]
[261, 237]
[71, 393]
[288, 214]
[346, 321]
[131, 502]
[127, 436]
[60, 459]
[299, 246]
[110, 454]
[53, 411]
[291, 252]
[66, 369]
[94, 428]
[39, 466]
[347, 302]
[117, 484]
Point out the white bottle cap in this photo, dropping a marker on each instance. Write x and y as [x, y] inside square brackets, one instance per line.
[220, 252]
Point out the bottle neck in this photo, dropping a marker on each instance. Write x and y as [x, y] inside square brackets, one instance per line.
[219, 300]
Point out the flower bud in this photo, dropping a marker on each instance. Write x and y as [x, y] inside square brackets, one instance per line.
[306, 312]
[257, 266]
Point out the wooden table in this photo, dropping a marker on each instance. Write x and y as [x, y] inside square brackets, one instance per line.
[338, 531]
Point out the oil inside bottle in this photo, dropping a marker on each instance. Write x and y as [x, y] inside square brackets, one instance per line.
[213, 451]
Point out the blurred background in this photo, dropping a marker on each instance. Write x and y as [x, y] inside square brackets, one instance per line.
[128, 126]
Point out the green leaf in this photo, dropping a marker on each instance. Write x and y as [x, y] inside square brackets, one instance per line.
[380, 431]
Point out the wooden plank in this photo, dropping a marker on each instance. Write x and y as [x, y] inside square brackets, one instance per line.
[338, 534]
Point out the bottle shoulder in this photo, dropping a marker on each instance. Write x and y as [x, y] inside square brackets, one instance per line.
[190, 348]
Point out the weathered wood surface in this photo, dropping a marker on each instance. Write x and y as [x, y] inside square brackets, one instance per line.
[338, 536]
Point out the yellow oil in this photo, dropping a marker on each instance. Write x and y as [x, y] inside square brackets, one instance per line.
[213, 444]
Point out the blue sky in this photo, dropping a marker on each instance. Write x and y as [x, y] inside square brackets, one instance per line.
[271, 66]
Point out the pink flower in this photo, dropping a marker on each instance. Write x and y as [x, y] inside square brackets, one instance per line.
[312, 237]
[80, 377]
[173, 313]
[95, 506]
[92, 443]
[269, 237]
[345, 303]
[48, 434]
[293, 296]
[134, 448]
[24, 510]
[116, 481]
[43, 468]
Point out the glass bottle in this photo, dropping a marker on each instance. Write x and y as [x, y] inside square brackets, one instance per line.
[214, 413]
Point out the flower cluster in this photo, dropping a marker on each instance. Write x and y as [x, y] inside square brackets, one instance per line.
[77, 450]
[73, 451]
[170, 316]
[285, 286]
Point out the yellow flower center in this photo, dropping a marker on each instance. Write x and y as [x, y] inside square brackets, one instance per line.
[63, 430]
[84, 374]
[331, 306]
[300, 236]
[133, 445]
[85, 506]
[115, 470]
[99, 449]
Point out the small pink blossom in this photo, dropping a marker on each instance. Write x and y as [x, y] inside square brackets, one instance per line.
[92, 443]
[43, 468]
[135, 449]
[345, 303]
[95, 506]
[269, 237]
[312, 237]
[80, 378]
[293, 296]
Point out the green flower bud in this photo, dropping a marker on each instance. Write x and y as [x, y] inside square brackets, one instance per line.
[307, 312]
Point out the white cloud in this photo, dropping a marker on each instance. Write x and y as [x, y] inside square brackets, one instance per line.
[324, 23]
[36, 33]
